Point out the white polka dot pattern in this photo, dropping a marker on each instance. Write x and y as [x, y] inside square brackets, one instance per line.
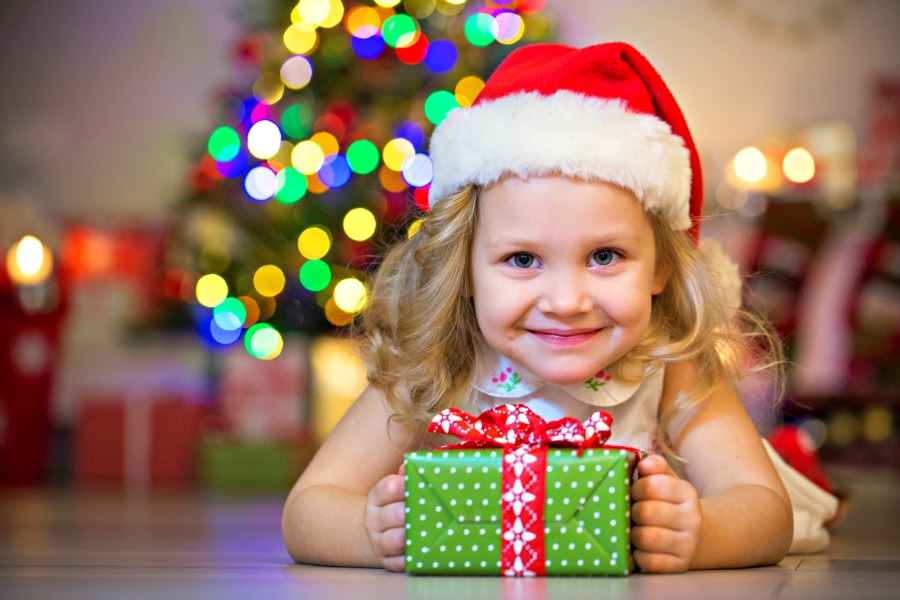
[453, 506]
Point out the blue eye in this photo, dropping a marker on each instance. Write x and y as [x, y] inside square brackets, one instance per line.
[522, 260]
[604, 257]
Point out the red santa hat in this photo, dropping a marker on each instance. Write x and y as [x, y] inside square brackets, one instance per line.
[600, 113]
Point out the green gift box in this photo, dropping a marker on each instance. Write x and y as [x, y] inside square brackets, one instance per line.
[454, 511]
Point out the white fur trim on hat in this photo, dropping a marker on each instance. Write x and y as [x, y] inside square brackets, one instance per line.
[567, 133]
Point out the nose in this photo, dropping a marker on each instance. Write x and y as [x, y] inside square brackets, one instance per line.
[565, 293]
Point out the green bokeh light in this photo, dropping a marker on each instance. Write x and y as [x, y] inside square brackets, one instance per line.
[315, 275]
[296, 121]
[439, 104]
[262, 340]
[291, 185]
[478, 29]
[230, 314]
[363, 157]
[399, 30]
[224, 144]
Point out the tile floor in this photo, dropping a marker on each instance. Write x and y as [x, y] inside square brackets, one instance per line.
[95, 545]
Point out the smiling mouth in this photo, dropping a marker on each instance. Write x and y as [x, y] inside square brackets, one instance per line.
[564, 337]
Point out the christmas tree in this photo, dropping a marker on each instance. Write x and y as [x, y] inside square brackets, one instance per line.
[317, 158]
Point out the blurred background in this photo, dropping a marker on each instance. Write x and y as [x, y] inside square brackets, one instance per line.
[193, 192]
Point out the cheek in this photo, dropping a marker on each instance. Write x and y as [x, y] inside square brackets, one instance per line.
[630, 304]
[495, 304]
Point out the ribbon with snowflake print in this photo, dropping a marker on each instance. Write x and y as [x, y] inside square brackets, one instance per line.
[524, 437]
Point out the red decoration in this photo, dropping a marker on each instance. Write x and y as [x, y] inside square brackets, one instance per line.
[137, 442]
[525, 438]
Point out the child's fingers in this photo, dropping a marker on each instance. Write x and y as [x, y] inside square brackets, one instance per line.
[395, 563]
[654, 464]
[661, 550]
[393, 541]
[659, 487]
[656, 513]
[380, 519]
[387, 491]
[655, 562]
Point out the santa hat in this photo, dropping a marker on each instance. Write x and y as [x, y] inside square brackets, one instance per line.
[599, 113]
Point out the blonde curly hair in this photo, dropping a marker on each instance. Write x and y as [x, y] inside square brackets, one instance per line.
[420, 330]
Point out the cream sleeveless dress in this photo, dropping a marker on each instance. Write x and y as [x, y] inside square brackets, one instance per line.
[635, 412]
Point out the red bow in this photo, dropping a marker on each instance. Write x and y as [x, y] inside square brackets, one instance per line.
[515, 425]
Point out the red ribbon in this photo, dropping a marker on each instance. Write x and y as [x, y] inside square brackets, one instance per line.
[525, 438]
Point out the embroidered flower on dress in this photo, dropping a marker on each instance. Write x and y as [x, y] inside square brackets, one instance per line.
[507, 379]
[598, 380]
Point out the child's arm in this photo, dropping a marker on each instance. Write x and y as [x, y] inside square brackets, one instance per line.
[733, 512]
[347, 507]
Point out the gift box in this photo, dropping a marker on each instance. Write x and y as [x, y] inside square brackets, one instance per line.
[137, 443]
[265, 401]
[523, 507]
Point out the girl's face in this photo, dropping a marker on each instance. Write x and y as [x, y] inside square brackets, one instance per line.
[562, 274]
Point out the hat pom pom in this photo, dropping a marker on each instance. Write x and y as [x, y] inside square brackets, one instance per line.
[725, 273]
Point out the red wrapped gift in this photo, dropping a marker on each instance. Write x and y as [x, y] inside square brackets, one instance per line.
[138, 442]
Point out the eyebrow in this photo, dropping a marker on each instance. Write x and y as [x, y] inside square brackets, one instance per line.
[613, 238]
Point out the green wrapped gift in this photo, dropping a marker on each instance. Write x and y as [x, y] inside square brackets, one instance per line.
[489, 511]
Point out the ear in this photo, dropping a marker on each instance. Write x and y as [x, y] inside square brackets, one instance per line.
[660, 279]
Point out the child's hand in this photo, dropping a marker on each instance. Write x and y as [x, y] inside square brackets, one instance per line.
[386, 521]
[666, 515]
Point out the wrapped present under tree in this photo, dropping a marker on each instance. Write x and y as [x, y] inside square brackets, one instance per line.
[519, 496]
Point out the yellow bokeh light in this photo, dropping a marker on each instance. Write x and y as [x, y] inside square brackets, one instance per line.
[268, 88]
[798, 165]
[252, 308]
[314, 242]
[268, 280]
[335, 14]
[467, 89]
[301, 38]
[750, 164]
[327, 142]
[363, 21]
[314, 11]
[414, 228]
[28, 261]
[389, 3]
[396, 151]
[307, 157]
[843, 428]
[449, 7]
[314, 185]
[877, 424]
[391, 180]
[335, 315]
[359, 224]
[211, 290]
[350, 295]
[282, 159]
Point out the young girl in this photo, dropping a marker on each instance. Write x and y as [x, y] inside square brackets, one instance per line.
[559, 268]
